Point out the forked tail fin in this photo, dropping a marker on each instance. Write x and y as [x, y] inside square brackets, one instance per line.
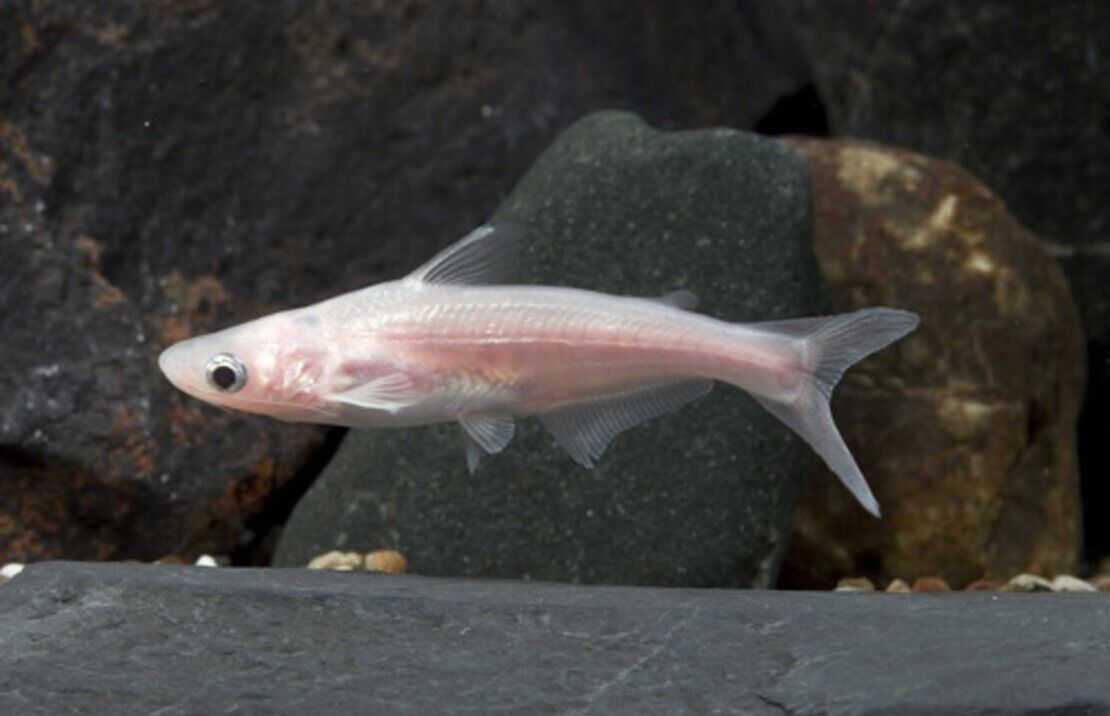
[832, 345]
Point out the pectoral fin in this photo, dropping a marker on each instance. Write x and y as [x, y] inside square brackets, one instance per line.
[390, 392]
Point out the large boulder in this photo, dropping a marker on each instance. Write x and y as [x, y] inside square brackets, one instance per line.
[700, 497]
[167, 168]
[1017, 92]
[966, 429]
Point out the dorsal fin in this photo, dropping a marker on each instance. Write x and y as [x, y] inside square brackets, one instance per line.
[487, 255]
[683, 299]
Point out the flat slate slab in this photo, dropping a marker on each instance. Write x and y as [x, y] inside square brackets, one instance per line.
[121, 639]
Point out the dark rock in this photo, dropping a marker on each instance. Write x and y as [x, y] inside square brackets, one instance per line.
[1018, 93]
[113, 639]
[172, 167]
[700, 497]
[97, 459]
[966, 429]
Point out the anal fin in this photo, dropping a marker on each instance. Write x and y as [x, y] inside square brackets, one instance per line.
[586, 428]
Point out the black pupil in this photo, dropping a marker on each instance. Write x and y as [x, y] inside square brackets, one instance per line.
[223, 376]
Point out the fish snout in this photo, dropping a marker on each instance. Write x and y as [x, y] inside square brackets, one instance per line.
[173, 363]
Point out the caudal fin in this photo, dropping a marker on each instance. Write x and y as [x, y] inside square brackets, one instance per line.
[831, 345]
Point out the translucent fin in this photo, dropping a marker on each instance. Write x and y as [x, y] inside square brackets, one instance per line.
[830, 346]
[585, 429]
[389, 393]
[834, 343]
[487, 255]
[491, 433]
[473, 452]
[812, 420]
[685, 300]
[845, 340]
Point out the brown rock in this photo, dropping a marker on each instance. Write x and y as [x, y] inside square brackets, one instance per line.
[983, 585]
[855, 584]
[965, 429]
[930, 584]
[386, 560]
[1101, 582]
[898, 586]
[1018, 92]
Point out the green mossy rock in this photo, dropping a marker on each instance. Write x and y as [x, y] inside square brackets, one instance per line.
[700, 497]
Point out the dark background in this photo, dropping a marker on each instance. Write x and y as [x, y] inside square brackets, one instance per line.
[173, 166]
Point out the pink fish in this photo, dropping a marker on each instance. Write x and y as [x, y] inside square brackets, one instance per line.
[452, 342]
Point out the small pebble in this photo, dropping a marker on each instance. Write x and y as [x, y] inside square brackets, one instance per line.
[343, 561]
[1027, 583]
[386, 560]
[170, 559]
[1101, 582]
[930, 584]
[855, 584]
[983, 585]
[897, 586]
[1068, 583]
[10, 569]
[206, 560]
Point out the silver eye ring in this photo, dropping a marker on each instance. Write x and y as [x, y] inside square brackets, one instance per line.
[226, 373]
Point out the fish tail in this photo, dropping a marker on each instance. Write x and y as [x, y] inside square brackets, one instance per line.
[828, 347]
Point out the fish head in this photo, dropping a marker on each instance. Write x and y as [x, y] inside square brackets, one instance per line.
[277, 366]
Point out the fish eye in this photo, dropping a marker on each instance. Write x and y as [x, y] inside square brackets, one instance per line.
[226, 373]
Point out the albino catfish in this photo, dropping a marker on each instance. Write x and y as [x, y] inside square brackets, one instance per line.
[452, 342]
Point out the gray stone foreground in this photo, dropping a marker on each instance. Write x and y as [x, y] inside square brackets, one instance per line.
[123, 639]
